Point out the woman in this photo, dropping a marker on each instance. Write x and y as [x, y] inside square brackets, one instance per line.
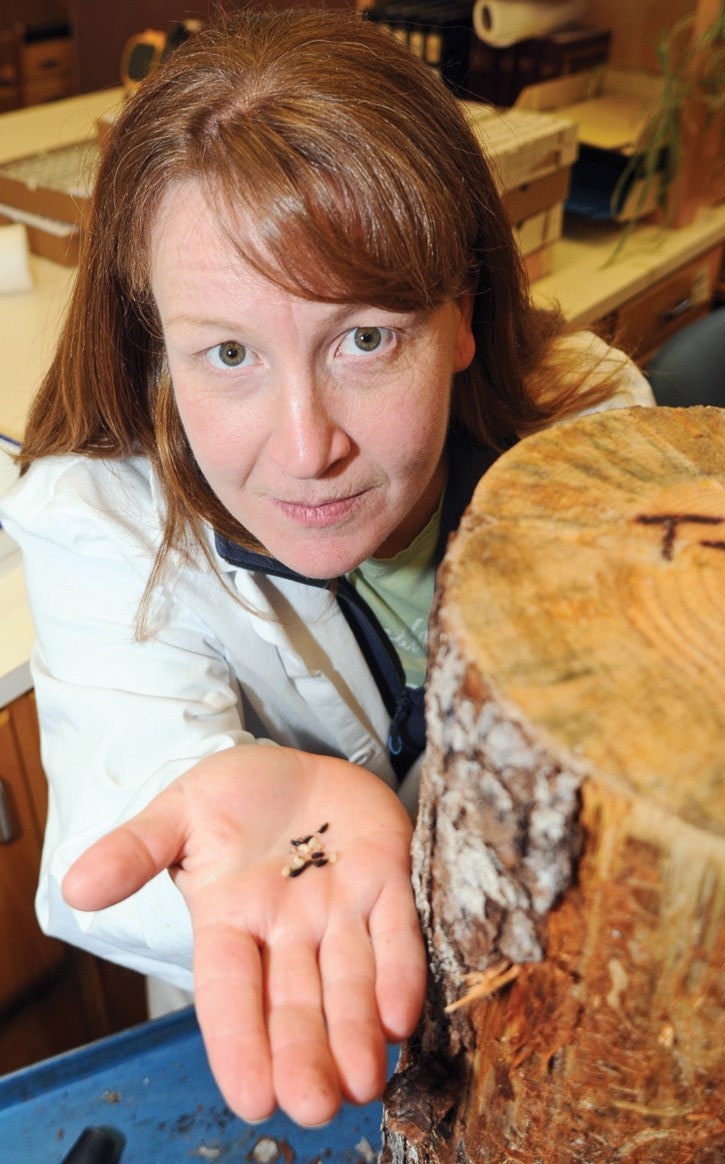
[299, 335]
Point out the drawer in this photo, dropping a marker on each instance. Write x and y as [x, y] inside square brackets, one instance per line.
[10, 98]
[50, 88]
[45, 58]
[10, 95]
[648, 320]
[27, 953]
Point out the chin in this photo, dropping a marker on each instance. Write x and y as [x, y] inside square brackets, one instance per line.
[321, 562]
[319, 567]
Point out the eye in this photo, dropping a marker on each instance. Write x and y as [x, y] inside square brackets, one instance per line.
[230, 354]
[365, 339]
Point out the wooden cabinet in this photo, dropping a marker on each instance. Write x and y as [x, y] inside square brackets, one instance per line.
[37, 53]
[646, 321]
[26, 954]
[47, 69]
[52, 998]
[10, 49]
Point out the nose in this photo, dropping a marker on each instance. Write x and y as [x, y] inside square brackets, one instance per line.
[307, 439]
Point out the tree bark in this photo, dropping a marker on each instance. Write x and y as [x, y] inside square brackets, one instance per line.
[569, 853]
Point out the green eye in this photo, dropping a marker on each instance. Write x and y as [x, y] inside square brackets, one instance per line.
[367, 339]
[231, 354]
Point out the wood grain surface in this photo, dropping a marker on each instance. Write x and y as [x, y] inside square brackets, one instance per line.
[569, 854]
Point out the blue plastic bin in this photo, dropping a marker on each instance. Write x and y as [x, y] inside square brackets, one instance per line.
[153, 1085]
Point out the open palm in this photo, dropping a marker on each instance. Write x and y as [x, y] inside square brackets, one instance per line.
[300, 980]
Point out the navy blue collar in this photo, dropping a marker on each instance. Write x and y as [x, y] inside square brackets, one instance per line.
[468, 460]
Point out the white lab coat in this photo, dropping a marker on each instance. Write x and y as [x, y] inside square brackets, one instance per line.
[122, 718]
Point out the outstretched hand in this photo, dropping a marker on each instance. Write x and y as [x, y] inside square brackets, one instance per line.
[299, 981]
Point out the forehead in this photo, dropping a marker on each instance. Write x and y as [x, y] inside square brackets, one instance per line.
[200, 268]
[195, 247]
[197, 231]
[315, 248]
[186, 218]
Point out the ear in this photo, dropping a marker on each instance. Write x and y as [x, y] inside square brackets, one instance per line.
[465, 345]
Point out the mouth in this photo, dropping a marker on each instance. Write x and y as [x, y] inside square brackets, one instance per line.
[317, 515]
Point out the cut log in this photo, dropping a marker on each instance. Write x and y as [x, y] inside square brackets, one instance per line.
[569, 853]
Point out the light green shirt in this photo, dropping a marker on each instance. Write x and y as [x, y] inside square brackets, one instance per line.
[400, 591]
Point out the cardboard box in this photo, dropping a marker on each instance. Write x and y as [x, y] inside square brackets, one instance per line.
[540, 229]
[522, 146]
[55, 184]
[538, 264]
[611, 109]
[533, 197]
[104, 125]
[532, 154]
[47, 237]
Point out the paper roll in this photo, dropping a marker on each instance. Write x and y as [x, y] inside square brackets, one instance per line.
[504, 22]
[14, 263]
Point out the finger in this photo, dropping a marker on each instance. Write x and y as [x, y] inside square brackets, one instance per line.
[121, 862]
[355, 1032]
[303, 1070]
[400, 959]
[229, 1002]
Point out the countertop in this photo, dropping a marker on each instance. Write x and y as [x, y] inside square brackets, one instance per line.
[16, 631]
[583, 281]
[30, 322]
[587, 283]
[16, 628]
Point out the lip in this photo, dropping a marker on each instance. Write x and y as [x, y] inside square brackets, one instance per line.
[320, 514]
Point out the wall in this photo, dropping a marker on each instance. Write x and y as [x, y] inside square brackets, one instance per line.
[102, 28]
[32, 11]
[637, 26]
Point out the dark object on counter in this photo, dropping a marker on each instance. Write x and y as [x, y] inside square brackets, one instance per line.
[96, 1146]
[440, 33]
[498, 75]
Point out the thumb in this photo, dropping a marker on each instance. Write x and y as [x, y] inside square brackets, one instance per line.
[123, 861]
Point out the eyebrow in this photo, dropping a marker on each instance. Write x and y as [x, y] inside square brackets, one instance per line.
[343, 311]
[201, 321]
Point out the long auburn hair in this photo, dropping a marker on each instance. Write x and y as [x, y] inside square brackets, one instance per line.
[364, 183]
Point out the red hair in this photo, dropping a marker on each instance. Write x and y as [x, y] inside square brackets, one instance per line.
[364, 183]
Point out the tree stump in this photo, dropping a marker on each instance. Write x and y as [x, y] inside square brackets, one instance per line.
[569, 854]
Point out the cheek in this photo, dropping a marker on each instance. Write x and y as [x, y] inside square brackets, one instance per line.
[212, 439]
[198, 424]
[421, 421]
[186, 398]
[411, 441]
[212, 423]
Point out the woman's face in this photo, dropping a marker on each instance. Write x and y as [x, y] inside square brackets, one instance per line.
[320, 427]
